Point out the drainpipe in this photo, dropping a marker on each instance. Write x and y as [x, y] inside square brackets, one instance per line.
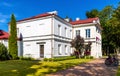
[52, 36]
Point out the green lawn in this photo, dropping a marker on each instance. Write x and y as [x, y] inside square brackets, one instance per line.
[118, 71]
[35, 68]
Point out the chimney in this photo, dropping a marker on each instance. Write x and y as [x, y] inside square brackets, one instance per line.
[77, 19]
[94, 21]
[67, 19]
[53, 12]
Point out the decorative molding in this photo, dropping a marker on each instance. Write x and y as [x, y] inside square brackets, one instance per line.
[59, 40]
[41, 43]
[48, 35]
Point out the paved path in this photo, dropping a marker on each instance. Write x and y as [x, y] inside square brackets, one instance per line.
[93, 68]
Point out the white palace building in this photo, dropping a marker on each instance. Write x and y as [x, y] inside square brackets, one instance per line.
[48, 35]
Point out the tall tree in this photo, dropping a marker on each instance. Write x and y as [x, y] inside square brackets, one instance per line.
[93, 13]
[78, 44]
[13, 48]
[115, 22]
[104, 16]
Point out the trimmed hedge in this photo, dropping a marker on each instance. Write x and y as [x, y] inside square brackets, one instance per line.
[26, 58]
[59, 58]
[87, 57]
[4, 52]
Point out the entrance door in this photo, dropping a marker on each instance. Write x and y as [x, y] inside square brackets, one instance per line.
[41, 51]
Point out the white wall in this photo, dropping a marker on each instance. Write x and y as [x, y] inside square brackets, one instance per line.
[35, 31]
[33, 49]
[83, 32]
[44, 30]
[96, 50]
[63, 38]
[63, 26]
[63, 51]
[35, 28]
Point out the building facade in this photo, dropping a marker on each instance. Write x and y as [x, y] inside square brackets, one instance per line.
[90, 30]
[45, 36]
[48, 35]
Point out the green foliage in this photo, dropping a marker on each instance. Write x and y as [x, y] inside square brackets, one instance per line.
[87, 57]
[110, 22]
[115, 24]
[13, 49]
[93, 13]
[26, 58]
[118, 71]
[45, 59]
[64, 58]
[3, 52]
[78, 44]
[59, 58]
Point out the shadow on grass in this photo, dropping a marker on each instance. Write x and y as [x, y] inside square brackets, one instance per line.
[17, 67]
[33, 68]
[89, 69]
[51, 67]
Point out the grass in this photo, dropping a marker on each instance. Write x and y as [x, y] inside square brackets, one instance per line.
[35, 68]
[118, 71]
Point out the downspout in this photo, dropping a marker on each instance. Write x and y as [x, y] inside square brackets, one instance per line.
[52, 36]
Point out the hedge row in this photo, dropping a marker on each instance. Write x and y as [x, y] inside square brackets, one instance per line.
[66, 58]
[59, 58]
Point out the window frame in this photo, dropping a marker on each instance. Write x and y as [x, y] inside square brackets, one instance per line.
[88, 33]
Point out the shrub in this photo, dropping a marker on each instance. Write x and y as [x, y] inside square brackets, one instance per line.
[26, 58]
[91, 57]
[63, 58]
[50, 59]
[59, 58]
[45, 59]
[88, 57]
[4, 52]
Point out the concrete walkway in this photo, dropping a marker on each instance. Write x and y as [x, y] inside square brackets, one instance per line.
[93, 68]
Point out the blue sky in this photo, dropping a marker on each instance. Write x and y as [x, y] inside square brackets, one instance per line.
[27, 8]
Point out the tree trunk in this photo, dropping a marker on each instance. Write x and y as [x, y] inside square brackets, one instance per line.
[79, 54]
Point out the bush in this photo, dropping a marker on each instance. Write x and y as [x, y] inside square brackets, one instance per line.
[26, 58]
[45, 59]
[4, 52]
[50, 59]
[64, 58]
[91, 57]
[88, 57]
[59, 58]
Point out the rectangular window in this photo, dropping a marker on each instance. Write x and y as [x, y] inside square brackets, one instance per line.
[77, 32]
[59, 49]
[87, 33]
[59, 30]
[70, 33]
[65, 32]
[17, 31]
[66, 49]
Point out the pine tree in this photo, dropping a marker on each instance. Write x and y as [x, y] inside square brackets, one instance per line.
[13, 48]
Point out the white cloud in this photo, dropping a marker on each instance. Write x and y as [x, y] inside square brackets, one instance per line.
[3, 18]
[6, 4]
